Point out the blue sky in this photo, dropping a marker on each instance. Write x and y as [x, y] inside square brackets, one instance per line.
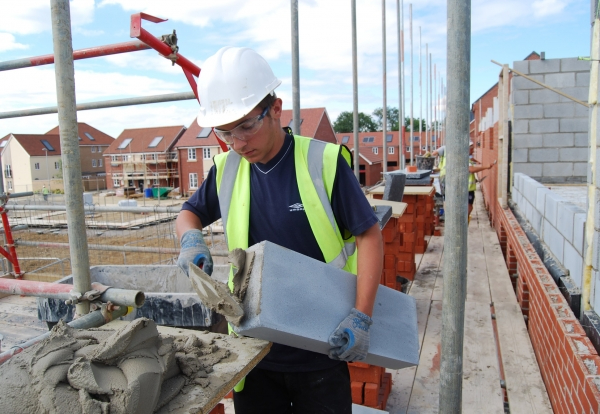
[503, 30]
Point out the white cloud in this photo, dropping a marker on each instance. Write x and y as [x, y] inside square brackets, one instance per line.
[7, 42]
[543, 8]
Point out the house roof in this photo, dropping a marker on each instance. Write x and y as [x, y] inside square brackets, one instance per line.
[369, 156]
[141, 139]
[311, 118]
[99, 137]
[376, 142]
[33, 145]
[197, 136]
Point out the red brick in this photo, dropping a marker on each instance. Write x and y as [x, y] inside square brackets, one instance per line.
[371, 373]
[389, 261]
[409, 237]
[219, 409]
[371, 394]
[357, 389]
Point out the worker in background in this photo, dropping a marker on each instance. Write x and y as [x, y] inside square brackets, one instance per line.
[441, 165]
[264, 189]
[474, 168]
[45, 193]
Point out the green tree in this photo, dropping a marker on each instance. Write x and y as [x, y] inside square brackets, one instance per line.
[345, 123]
[417, 123]
[392, 118]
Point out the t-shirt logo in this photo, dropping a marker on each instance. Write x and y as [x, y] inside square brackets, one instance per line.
[297, 207]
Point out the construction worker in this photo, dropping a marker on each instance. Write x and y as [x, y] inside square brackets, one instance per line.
[45, 193]
[264, 189]
[474, 168]
[441, 154]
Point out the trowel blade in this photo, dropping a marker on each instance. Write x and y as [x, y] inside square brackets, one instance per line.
[215, 295]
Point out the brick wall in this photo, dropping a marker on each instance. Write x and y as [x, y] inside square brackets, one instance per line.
[567, 359]
[550, 131]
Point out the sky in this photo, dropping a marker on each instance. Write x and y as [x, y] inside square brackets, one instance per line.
[502, 30]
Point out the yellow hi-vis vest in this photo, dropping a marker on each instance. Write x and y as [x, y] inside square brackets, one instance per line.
[442, 166]
[316, 164]
[472, 180]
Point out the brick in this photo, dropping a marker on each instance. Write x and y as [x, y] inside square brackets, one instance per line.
[560, 80]
[527, 141]
[520, 82]
[544, 96]
[389, 261]
[370, 373]
[560, 110]
[578, 92]
[582, 79]
[566, 139]
[530, 111]
[371, 395]
[573, 125]
[219, 409]
[544, 66]
[543, 155]
[574, 65]
[357, 389]
[389, 233]
[554, 170]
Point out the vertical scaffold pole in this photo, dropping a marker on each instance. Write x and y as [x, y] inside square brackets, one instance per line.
[457, 181]
[355, 94]
[384, 65]
[69, 142]
[295, 69]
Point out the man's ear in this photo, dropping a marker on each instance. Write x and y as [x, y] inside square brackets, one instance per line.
[277, 108]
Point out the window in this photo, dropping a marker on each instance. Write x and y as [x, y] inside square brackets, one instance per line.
[114, 158]
[151, 156]
[389, 137]
[125, 143]
[193, 180]
[37, 165]
[87, 134]
[407, 149]
[416, 138]
[116, 182]
[191, 154]
[93, 163]
[345, 139]
[368, 139]
[3, 144]
[7, 171]
[9, 185]
[155, 142]
[47, 145]
[156, 180]
[100, 149]
[390, 150]
[204, 133]
[375, 150]
[206, 153]
[93, 149]
[125, 157]
[100, 162]
[56, 165]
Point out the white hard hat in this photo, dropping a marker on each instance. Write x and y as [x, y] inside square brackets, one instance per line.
[231, 83]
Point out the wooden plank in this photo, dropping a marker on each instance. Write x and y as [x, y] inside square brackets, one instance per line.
[501, 287]
[478, 288]
[425, 393]
[425, 278]
[524, 385]
[408, 190]
[481, 391]
[398, 208]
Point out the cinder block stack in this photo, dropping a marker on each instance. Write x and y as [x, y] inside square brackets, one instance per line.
[370, 385]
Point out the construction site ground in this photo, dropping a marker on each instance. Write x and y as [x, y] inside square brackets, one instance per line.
[500, 370]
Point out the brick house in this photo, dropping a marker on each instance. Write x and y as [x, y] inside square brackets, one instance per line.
[314, 123]
[370, 166]
[30, 161]
[144, 158]
[372, 143]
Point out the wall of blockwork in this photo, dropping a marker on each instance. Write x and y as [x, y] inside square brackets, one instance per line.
[567, 359]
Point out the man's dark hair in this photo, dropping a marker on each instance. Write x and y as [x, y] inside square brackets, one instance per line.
[267, 101]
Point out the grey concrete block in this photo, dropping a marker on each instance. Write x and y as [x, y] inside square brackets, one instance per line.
[543, 154]
[544, 126]
[540, 199]
[522, 66]
[520, 155]
[557, 169]
[527, 140]
[581, 111]
[544, 66]
[528, 168]
[573, 125]
[363, 409]
[596, 251]
[517, 181]
[536, 222]
[553, 239]
[544, 96]
[560, 80]
[573, 261]
[573, 154]
[582, 79]
[559, 140]
[520, 83]
[574, 65]
[579, 231]
[581, 139]
[560, 110]
[520, 97]
[551, 208]
[304, 308]
[566, 219]
[528, 111]
[520, 126]
[394, 187]
[529, 209]
[578, 92]
[580, 169]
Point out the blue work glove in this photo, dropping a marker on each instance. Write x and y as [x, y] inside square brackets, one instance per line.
[195, 250]
[350, 340]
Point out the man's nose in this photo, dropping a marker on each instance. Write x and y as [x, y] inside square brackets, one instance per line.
[238, 143]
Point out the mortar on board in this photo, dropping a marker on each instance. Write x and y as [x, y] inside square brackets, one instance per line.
[170, 298]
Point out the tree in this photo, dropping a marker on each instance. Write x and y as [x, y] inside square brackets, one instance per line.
[392, 118]
[416, 124]
[345, 123]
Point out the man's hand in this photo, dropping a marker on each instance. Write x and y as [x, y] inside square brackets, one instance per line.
[350, 340]
[195, 250]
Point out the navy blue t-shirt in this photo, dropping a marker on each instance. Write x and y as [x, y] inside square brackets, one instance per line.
[277, 215]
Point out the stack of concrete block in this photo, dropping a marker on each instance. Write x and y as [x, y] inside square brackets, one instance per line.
[557, 222]
[370, 385]
[551, 131]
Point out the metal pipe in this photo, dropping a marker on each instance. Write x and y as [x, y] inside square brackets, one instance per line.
[94, 208]
[23, 194]
[69, 143]
[91, 320]
[295, 70]
[400, 90]
[112, 103]
[427, 132]
[457, 181]
[87, 53]
[420, 96]
[125, 297]
[412, 78]
[355, 95]
[431, 104]
[110, 248]
[384, 65]
[403, 86]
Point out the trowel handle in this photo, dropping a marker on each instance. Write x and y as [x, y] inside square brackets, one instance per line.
[200, 260]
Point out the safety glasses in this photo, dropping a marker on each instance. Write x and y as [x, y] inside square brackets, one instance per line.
[243, 131]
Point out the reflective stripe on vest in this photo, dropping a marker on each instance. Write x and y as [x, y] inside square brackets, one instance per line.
[472, 180]
[315, 165]
[442, 165]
